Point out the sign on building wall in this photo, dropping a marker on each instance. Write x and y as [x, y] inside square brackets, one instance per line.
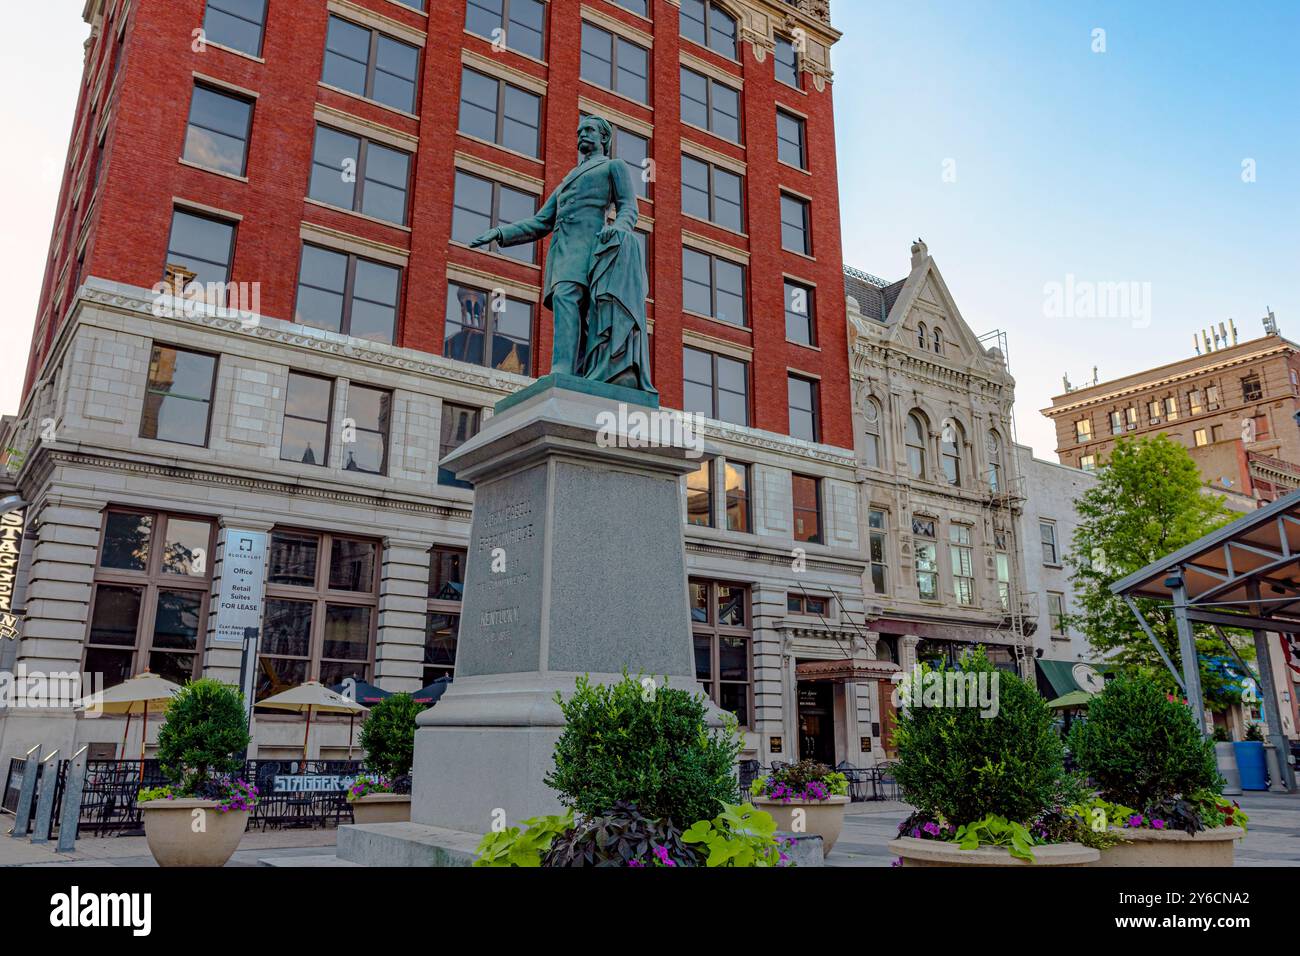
[243, 584]
[12, 524]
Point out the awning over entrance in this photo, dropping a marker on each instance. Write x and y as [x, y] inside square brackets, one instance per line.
[845, 671]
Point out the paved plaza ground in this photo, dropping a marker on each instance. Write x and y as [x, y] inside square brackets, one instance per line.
[1273, 840]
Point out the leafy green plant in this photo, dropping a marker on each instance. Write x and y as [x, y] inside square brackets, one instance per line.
[965, 764]
[739, 836]
[805, 780]
[363, 786]
[523, 847]
[1221, 734]
[388, 735]
[1218, 811]
[1254, 733]
[204, 730]
[154, 793]
[1140, 748]
[649, 746]
[621, 837]
[996, 830]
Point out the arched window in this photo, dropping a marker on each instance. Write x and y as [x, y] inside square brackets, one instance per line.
[921, 339]
[938, 342]
[871, 442]
[915, 435]
[709, 25]
[950, 443]
[994, 447]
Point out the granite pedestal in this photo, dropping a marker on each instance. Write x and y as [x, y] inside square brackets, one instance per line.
[576, 566]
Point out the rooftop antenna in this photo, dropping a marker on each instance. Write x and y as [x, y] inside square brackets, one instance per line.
[1233, 326]
[1196, 343]
[1270, 323]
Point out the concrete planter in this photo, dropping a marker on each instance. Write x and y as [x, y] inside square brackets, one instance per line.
[382, 808]
[1173, 848]
[170, 828]
[824, 818]
[915, 852]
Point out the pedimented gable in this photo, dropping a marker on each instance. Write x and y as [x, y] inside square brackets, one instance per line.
[925, 300]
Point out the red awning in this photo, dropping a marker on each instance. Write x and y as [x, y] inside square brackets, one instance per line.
[845, 671]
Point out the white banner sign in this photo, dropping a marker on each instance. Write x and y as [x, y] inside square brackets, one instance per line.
[243, 584]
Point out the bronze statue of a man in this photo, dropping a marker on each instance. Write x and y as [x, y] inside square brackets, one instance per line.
[595, 275]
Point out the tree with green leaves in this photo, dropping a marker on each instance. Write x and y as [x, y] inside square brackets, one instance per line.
[1148, 502]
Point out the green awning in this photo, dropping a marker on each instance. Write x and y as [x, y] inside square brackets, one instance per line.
[1075, 698]
[1060, 674]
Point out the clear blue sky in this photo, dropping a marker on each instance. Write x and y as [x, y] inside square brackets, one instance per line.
[1114, 167]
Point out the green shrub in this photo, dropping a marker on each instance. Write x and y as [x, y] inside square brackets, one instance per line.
[739, 836]
[1140, 748]
[1254, 733]
[964, 764]
[202, 735]
[644, 745]
[621, 837]
[525, 847]
[388, 735]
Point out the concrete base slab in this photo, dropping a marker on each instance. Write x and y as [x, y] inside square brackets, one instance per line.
[317, 860]
[406, 844]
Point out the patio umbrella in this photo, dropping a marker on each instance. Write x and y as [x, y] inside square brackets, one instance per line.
[315, 696]
[1075, 698]
[429, 695]
[134, 695]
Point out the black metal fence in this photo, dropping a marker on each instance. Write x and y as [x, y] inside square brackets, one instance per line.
[291, 793]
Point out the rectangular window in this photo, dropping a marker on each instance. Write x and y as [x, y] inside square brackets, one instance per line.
[149, 604]
[307, 404]
[878, 531]
[1171, 408]
[961, 555]
[1002, 561]
[712, 193]
[1131, 417]
[483, 204]
[369, 413]
[699, 496]
[810, 605]
[1088, 462]
[178, 396]
[442, 622]
[218, 130]
[795, 232]
[413, 4]
[1194, 402]
[800, 316]
[371, 64]
[1083, 430]
[487, 329]
[787, 62]
[1259, 428]
[716, 386]
[639, 7]
[1056, 613]
[616, 64]
[720, 630]
[807, 498]
[1212, 397]
[791, 139]
[359, 175]
[709, 25]
[1047, 535]
[1116, 423]
[205, 247]
[341, 292]
[1252, 390]
[713, 286]
[499, 112]
[927, 570]
[1200, 437]
[322, 606]
[237, 24]
[519, 23]
[805, 416]
[737, 491]
[460, 423]
[1154, 410]
[710, 105]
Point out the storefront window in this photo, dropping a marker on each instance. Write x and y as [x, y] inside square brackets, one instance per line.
[149, 608]
[442, 622]
[720, 626]
[322, 599]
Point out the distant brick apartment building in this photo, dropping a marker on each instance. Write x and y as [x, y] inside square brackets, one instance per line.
[1232, 407]
[335, 157]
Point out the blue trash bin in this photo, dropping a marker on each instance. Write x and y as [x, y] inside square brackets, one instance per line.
[1250, 763]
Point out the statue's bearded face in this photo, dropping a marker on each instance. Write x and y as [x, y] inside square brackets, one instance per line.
[589, 139]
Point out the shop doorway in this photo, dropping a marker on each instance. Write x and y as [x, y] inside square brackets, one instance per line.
[817, 721]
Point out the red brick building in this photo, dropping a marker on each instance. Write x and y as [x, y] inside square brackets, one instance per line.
[270, 74]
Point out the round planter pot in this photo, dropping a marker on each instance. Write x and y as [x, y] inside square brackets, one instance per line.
[382, 808]
[823, 818]
[914, 852]
[176, 838]
[1173, 848]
